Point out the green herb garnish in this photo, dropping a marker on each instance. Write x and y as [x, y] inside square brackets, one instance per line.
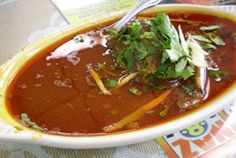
[209, 46]
[210, 40]
[217, 74]
[158, 51]
[164, 112]
[188, 72]
[135, 91]
[216, 39]
[111, 31]
[101, 66]
[148, 35]
[174, 57]
[201, 38]
[25, 118]
[210, 28]
[161, 37]
[110, 83]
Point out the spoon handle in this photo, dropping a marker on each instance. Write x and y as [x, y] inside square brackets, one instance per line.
[139, 6]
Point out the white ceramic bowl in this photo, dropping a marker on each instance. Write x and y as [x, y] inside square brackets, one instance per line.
[12, 131]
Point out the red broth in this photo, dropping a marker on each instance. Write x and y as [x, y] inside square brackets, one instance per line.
[56, 96]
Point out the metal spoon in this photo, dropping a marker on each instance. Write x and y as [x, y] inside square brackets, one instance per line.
[139, 6]
[74, 46]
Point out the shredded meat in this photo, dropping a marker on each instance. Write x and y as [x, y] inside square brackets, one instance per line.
[149, 68]
[190, 100]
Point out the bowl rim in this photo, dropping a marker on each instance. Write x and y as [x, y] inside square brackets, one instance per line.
[122, 138]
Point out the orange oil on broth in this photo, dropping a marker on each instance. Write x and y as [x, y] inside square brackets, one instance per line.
[56, 95]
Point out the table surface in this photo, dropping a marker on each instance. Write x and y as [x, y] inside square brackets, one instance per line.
[24, 21]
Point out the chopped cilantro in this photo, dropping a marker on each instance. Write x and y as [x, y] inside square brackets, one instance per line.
[25, 118]
[142, 51]
[215, 73]
[111, 31]
[101, 66]
[137, 49]
[201, 38]
[161, 23]
[209, 40]
[181, 64]
[210, 28]
[164, 112]
[148, 35]
[216, 39]
[110, 83]
[157, 50]
[135, 91]
[129, 58]
[188, 72]
[209, 46]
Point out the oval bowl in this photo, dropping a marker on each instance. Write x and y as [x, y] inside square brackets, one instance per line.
[12, 131]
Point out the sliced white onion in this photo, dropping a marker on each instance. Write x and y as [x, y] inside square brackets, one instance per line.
[182, 40]
[201, 77]
[198, 54]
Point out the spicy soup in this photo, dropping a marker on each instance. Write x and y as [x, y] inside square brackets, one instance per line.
[108, 80]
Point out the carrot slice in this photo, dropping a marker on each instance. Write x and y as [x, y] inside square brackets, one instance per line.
[98, 81]
[138, 113]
